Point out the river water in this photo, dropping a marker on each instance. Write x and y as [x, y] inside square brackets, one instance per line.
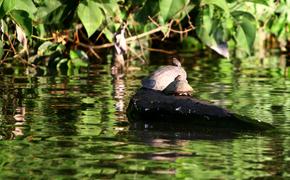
[75, 127]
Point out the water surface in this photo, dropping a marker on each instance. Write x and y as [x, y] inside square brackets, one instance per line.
[75, 126]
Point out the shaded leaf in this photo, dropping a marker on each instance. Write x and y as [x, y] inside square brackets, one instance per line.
[46, 48]
[1, 49]
[91, 16]
[47, 8]
[62, 61]
[150, 8]
[23, 20]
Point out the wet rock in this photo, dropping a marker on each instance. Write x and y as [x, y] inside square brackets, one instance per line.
[155, 109]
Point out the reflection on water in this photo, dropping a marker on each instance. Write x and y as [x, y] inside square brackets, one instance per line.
[75, 127]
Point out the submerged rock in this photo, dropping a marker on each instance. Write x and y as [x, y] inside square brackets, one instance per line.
[153, 108]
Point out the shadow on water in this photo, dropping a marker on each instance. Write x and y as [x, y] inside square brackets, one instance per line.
[183, 131]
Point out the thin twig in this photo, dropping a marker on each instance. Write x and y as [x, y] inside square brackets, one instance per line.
[11, 44]
[43, 39]
[169, 29]
[99, 36]
[181, 35]
[95, 54]
[132, 38]
[161, 51]
[137, 55]
[153, 21]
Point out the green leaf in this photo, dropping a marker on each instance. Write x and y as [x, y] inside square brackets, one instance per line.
[241, 40]
[47, 8]
[264, 2]
[150, 8]
[79, 63]
[204, 26]
[1, 49]
[74, 54]
[211, 32]
[78, 58]
[246, 22]
[43, 49]
[91, 16]
[169, 8]
[23, 20]
[219, 3]
[6, 7]
[109, 35]
[62, 61]
[4, 27]
[110, 7]
[26, 5]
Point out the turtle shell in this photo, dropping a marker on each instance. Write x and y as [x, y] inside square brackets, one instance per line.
[163, 76]
[179, 87]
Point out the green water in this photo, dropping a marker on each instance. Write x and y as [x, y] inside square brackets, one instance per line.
[60, 127]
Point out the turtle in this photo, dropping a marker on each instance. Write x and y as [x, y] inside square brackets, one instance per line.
[179, 87]
[163, 76]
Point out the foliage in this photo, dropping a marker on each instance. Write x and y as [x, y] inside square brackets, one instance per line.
[81, 24]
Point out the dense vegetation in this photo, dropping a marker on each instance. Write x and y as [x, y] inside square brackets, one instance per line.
[64, 32]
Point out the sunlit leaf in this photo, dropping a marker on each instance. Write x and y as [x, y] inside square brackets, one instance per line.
[4, 27]
[264, 2]
[6, 7]
[74, 54]
[219, 3]
[246, 23]
[26, 5]
[241, 40]
[79, 63]
[109, 35]
[169, 8]
[79, 58]
[88, 100]
[91, 16]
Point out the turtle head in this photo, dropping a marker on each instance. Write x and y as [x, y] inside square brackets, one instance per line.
[178, 78]
[176, 62]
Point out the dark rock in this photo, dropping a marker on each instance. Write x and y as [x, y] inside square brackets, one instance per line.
[154, 109]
